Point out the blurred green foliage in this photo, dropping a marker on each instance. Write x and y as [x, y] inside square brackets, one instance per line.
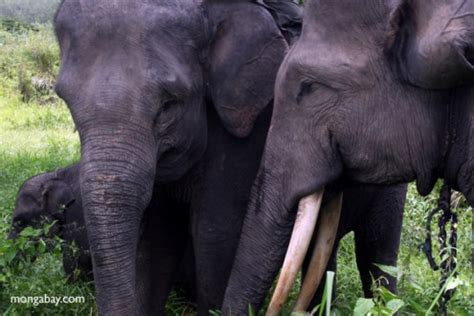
[39, 11]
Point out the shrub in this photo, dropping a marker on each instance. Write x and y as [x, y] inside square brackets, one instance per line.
[15, 26]
[29, 63]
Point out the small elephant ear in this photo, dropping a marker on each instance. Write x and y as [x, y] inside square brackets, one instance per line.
[433, 42]
[244, 57]
[56, 196]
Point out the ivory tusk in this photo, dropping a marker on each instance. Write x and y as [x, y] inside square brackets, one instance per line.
[308, 209]
[323, 245]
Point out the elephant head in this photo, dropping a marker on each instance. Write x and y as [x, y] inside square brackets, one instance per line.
[55, 197]
[348, 106]
[138, 78]
[42, 199]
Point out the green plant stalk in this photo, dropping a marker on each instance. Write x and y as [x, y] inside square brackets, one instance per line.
[327, 295]
[438, 296]
[329, 286]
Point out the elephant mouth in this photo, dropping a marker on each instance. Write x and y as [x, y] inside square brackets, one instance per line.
[309, 216]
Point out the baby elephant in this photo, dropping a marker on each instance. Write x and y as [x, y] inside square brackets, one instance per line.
[55, 196]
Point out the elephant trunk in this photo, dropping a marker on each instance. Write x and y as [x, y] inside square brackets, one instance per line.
[264, 239]
[117, 174]
[270, 227]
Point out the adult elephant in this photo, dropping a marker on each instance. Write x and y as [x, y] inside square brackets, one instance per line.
[154, 87]
[380, 95]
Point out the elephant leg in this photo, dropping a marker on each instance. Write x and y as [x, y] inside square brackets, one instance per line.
[216, 228]
[161, 249]
[185, 281]
[219, 205]
[377, 237]
[332, 266]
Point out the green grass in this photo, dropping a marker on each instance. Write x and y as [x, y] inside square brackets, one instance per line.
[35, 139]
[37, 135]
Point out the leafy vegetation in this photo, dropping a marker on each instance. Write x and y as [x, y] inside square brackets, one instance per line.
[37, 135]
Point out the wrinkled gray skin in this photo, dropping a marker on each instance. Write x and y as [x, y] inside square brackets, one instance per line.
[374, 91]
[154, 87]
[55, 196]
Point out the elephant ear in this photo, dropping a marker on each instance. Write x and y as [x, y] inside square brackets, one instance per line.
[245, 54]
[433, 42]
[56, 197]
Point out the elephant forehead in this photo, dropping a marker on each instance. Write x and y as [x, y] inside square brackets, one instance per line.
[28, 202]
[340, 62]
[130, 16]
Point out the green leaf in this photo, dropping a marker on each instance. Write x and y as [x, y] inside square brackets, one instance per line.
[381, 311]
[30, 232]
[390, 270]
[42, 246]
[453, 283]
[10, 254]
[47, 227]
[251, 311]
[363, 306]
[414, 283]
[395, 304]
[416, 306]
[386, 294]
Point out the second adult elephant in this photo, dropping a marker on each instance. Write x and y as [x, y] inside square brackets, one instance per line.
[379, 96]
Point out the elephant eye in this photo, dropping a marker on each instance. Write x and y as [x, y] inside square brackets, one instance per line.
[17, 223]
[305, 89]
[169, 110]
[169, 103]
[312, 93]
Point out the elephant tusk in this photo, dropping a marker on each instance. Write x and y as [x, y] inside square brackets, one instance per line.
[324, 241]
[308, 210]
